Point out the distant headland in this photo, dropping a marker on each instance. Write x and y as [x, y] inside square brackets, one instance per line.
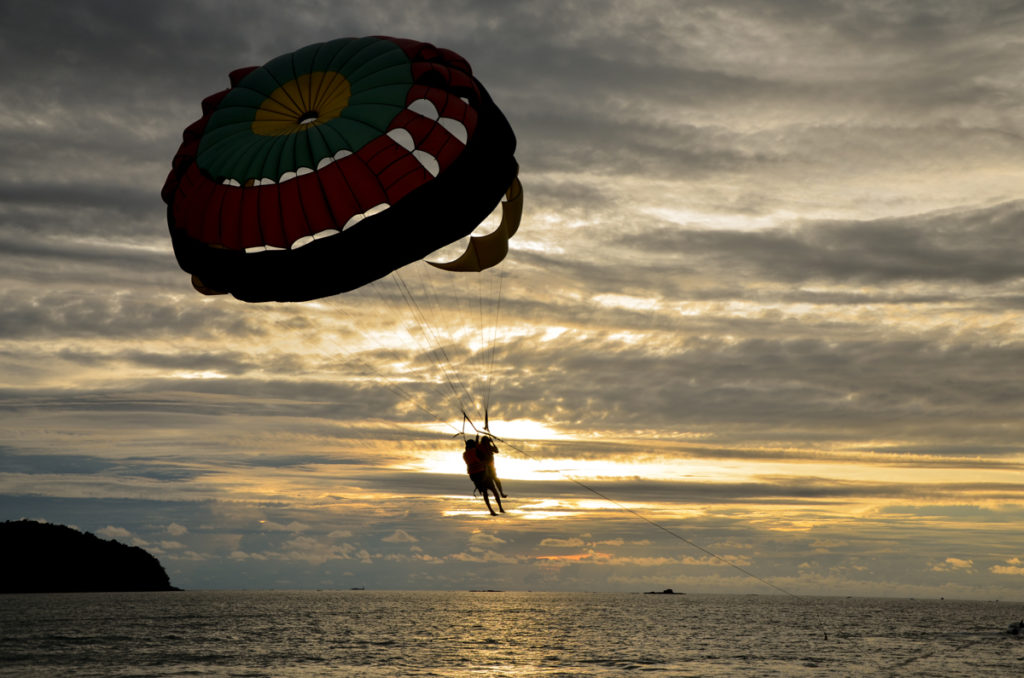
[47, 558]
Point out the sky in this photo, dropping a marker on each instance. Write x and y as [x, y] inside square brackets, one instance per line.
[764, 313]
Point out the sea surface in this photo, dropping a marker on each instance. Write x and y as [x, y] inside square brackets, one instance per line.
[392, 633]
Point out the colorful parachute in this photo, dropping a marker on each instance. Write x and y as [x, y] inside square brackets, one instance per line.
[334, 165]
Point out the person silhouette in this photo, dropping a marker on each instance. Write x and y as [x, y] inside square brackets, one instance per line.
[486, 452]
[478, 462]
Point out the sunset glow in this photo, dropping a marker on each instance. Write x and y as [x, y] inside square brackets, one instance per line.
[763, 303]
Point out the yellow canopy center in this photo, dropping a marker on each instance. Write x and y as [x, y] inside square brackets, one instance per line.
[308, 100]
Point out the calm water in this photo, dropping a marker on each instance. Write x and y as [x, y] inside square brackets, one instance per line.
[369, 633]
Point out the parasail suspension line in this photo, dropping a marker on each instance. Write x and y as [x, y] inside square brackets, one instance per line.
[458, 388]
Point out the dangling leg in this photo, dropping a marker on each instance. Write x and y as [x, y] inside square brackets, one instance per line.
[488, 502]
[497, 497]
[493, 473]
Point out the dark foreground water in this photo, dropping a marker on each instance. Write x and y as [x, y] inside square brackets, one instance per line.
[369, 633]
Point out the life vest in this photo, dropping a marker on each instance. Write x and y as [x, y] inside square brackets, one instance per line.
[474, 464]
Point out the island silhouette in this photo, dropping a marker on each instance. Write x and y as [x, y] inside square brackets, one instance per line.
[48, 558]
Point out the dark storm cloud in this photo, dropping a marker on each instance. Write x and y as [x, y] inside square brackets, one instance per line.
[123, 202]
[210, 397]
[52, 463]
[673, 151]
[979, 245]
[306, 416]
[792, 389]
[94, 312]
[120, 474]
[791, 491]
[905, 26]
[56, 43]
[52, 249]
[177, 54]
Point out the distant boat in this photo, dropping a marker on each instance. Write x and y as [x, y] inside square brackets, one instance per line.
[666, 592]
[358, 588]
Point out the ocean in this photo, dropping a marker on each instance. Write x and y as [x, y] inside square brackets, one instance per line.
[403, 633]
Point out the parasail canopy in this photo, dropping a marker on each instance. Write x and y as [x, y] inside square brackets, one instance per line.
[334, 165]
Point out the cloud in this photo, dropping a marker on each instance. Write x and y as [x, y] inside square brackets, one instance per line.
[484, 556]
[572, 557]
[729, 561]
[574, 542]
[399, 536]
[977, 245]
[1013, 566]
[172, 545]
[827, 545]
[293, 526]
[770, 259]
[478, 538]
[316, 552]
[953, 564]
[111, 532]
